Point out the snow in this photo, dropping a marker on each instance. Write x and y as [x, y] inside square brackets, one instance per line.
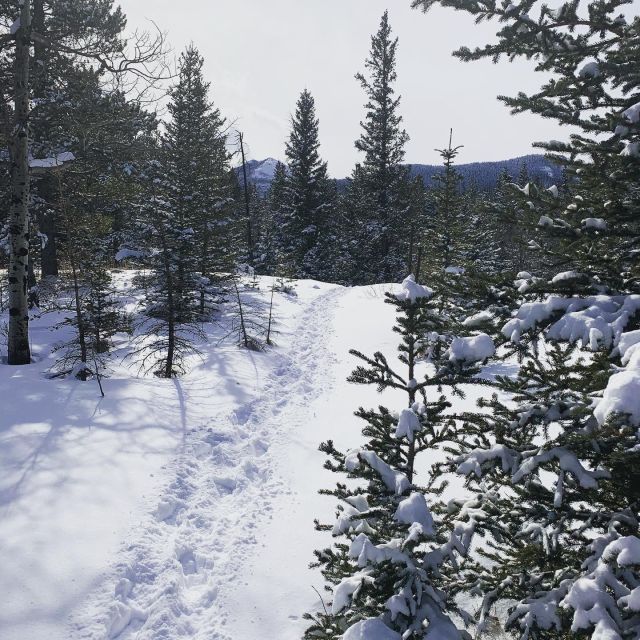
[478, 319]
[15, 27]
[456, 271]
[265, 171]
[473, 461]
[414, 510]
[53, 162]
[632, 114]
[599, 224]
[472, 349]
[408, 425]
[566, 275]
[166, 509]
[370, 629]
[410, 290]
[622, 395]
[609, 315]
[589, 70]
[346, 590]
[125, 254]
[553, 190]
[545, 221]
[395, 481]
[625, 550]
[628, 345]
[631, 150]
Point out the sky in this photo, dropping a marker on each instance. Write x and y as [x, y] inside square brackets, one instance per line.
[260, 54]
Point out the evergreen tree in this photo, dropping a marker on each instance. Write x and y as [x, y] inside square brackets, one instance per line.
[570, 525]
[375, 198]
[184, 215]
[307, 193]
[393, 571]
[277, 202]
[446, 228]
[170, 328]
[195, 161]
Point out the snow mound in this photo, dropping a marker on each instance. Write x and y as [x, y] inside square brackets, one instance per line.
[371, 629]
[472, 349]
[408, 425]
[414, 510]
[412, 291]
[599, 224]
[395, 481]
[622, 396]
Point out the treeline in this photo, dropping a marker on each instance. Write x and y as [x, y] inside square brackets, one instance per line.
[91, 177]
[373, 229]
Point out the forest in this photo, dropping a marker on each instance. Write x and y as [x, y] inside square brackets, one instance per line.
[145, 268]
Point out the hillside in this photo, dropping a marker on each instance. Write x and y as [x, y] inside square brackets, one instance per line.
[482, 175]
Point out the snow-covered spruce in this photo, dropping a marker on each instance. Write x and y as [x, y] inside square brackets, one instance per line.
[392, 572]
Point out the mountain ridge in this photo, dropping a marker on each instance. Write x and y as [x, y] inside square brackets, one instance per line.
[481, 175]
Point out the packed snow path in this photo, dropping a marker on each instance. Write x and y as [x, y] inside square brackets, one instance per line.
[194, 550]
[185, 509]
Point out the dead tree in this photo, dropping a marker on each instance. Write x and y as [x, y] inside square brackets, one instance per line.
[247, 201]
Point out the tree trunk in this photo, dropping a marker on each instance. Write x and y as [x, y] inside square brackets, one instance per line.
[171, 309]
[18, 342]
[79, 315]
[247, 202]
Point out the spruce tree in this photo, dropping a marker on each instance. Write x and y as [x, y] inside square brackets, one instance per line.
[307, 192]
[375, 199]
[170, 328]
[195, 161]
[563, 455]
[446, 228]
[392, 572]
[181, 226]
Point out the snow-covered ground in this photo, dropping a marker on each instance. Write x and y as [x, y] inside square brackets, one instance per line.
[185, 508]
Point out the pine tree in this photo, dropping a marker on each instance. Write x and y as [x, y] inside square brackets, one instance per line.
[195, 161]
[307, 192]
[277, 199]
[570, 524]
[392, 571]
[446, 228]
[170, 327]
[376, 205]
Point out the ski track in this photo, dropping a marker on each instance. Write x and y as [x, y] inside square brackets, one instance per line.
[194, 548]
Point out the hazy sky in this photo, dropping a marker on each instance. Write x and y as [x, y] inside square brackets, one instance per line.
[259, 55]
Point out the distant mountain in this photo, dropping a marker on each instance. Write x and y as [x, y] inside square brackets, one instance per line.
[260, 173]
[483, 175]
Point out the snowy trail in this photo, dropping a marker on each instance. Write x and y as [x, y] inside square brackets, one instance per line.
[178, 575]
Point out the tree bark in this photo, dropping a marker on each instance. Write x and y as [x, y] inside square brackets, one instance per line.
[19, 352]
[247, 203]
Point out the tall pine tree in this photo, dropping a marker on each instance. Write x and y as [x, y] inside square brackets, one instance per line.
[304, 219]
[375, 199]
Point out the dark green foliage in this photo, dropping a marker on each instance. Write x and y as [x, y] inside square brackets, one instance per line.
[305, 206]
[376, 203]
